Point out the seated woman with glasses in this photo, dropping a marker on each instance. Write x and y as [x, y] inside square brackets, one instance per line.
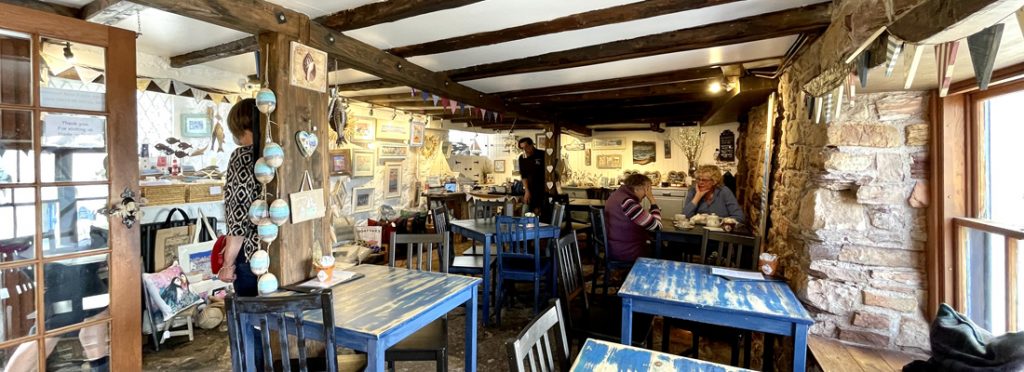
[708, 195]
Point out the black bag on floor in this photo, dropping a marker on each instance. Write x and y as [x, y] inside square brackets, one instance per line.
[148, 235]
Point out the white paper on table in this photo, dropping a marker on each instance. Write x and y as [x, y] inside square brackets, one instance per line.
[737, 274]
[339, 276]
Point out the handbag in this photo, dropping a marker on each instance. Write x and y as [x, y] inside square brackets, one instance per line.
[307, 204]
[149, 231]
[217, 255]
[196, 256]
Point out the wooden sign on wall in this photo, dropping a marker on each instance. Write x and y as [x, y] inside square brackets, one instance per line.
[727, 146]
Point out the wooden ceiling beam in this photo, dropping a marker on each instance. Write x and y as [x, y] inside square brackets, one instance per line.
[384, 12]
[625, 103]
[232, 48]
[392, 97]
[594, 18]
[45, 7]
[109, 12]
[625, 93]
[937, 21]
[624, 82]
[760, 27]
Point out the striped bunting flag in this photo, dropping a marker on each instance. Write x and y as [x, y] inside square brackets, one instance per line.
[945, 59]
[892, 53]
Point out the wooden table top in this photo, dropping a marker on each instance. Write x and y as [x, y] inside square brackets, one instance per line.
[682, 283]
[597, 355]
[483, 226]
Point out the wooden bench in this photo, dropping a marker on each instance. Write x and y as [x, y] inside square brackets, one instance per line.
[832, 355]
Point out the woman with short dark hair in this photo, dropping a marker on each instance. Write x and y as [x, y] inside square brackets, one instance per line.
[627, 224]
[240, 190]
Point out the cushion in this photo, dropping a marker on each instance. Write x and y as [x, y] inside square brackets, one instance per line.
[168, 292]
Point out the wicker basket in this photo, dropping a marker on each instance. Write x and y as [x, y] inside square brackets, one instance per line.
[165, 194]
[204, 192]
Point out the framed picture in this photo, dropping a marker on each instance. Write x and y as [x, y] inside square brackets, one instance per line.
[363, 128]
[616, 143]
[609, 161]
[586, 157]
[499, 166]
[392, 152]
[196, 125]
[417, 133]
[644, 152]
[362, 164]
[362, 199]
[195, 257]
[393, 180]
[393, 130]
[308, 67]
[341, 162]
[541, 141]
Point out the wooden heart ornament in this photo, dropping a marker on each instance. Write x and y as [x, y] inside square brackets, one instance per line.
[307, 142]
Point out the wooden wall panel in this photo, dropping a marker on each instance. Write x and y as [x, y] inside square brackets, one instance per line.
[949, 183]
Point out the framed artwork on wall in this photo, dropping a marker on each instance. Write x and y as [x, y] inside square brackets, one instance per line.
[308, 67]
[541, 141]
[616, 143]
[341, 162]
[362, 199]
[362, 163]
[392, 152]
[393, 130]
[644, 152]
[196, 125]
[393, 180]
[363, 128]
[609, 161]
[499, 166]
[417, 132]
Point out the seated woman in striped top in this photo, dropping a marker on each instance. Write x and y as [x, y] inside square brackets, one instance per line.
[627, 223]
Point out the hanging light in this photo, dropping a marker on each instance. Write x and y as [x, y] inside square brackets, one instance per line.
[715, 86]
[68, 54]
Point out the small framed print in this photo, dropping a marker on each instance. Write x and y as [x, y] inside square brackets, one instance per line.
[362, 164]
[542, 141]
[417, 132]
[499, 166]
[393, 180]
[195, 125]
[393, 130]
[362, 199]
[363, 128]
[392, 152]
[341, 162]
[308, 67]
[609, 161]
[616, 143]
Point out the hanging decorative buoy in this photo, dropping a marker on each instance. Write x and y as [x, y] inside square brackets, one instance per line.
[267, 231]
[258, 211]
[263, 171]
[266, 101]
[267, 284]
[259, 262]
[279, 212]
[273, 153]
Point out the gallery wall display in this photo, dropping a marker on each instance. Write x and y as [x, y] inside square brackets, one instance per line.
[499, 166]
[417, 133]
[393, 130]
[541, 141]
[341, 162]
[386, 152]
[362, 199]
[617, 143]
[393, 180]
[609, 161]
[362, 163]
[644, 152]
[308, 67]
[195, 125]
[364, 128]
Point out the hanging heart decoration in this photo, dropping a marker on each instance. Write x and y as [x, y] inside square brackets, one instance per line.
[307, 142]
[549, 151]
[551, 185]
[549, 134]
[550, 168]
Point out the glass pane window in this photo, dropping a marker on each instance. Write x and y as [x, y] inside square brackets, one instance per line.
[70, 220]
[76, 290]
[74, 148]
[1004, 198]
[18, 300]
[86, 349]
[15, 68]
[986, 280]
[16, 162]
[71, 75]
[17, 211]
[21, 357]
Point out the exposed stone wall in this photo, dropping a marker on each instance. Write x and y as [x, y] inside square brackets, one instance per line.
[848, 232]
[750, 174]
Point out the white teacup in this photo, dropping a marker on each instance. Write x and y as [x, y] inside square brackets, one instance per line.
[713, 221]
[681, 217]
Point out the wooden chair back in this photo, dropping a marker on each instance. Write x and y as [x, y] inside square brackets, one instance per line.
[421, 246]
[533, 346]
[570, 275]
[557, 214]
[599, 230]
[729, 250]
[487, 209]
[282, 315]
[514, 235]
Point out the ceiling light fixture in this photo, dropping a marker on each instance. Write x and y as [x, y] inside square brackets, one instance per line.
[68, 54]
[715, 87]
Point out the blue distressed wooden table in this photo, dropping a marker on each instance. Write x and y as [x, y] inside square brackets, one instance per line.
[375, 312]
[688, 291]
[597, 355]
[483, 230]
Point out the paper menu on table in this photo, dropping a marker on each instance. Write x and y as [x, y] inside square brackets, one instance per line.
[339, 276]
[737, 274]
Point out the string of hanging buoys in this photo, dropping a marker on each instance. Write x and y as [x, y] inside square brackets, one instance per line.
[267, 216]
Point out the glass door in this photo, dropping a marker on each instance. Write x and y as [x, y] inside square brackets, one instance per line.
[60, 294]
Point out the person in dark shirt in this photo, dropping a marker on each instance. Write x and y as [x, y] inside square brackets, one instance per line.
[531, 167]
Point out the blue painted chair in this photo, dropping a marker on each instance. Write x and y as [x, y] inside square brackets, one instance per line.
[533, 346]
[521, 256]
[486, 210]
[603, 260]
[465, 264]
[431, 341]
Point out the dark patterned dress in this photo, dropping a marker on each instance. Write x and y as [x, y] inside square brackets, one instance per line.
[240, 190]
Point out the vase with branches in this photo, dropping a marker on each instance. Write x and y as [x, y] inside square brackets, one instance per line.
[691, 139]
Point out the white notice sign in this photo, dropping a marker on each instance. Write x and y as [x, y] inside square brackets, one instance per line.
[74, 131]
[72, 99]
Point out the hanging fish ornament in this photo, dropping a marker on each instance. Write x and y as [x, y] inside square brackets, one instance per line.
[200, 151]
[218, 137]
[266, 101]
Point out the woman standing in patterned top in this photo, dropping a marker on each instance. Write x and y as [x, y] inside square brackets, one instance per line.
[240, 190]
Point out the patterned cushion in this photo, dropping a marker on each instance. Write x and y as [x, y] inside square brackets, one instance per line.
[168, 292]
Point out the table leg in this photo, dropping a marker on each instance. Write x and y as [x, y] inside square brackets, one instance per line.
[375, 356]
[657, 245]
[487, 281]
[627, 321]
[768, 362]
[471, 332]
[800, 348]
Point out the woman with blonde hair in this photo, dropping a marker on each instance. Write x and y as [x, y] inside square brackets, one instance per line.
[708, 195]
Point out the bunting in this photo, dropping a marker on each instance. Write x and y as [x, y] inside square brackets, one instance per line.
[914, 63]
[983, 47]
[892, 53]
[945, 59]
[426, 97]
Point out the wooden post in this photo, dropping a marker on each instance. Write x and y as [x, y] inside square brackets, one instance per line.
[296, 109]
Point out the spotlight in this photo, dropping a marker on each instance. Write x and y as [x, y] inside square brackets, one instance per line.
[715, 86]
[68, 54]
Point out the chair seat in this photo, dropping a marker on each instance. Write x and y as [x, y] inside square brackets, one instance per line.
[580, 226]
[510, 265]
[479, 250]
[468, 262]
[604, 321]
[432, 336]
[346, 362]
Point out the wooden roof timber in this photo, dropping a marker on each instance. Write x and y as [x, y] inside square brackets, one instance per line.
[46, 7]
[635, 92]
[625, 103]
[385, 11]
[232, 48]
[594, 18]
[936, 21]
[623, 82]
[676, 112]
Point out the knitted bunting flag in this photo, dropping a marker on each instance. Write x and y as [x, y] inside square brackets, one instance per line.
[892, 53]
[945, 59]
[983, 47]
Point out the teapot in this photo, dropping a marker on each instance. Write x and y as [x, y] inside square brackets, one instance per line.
[714, 221]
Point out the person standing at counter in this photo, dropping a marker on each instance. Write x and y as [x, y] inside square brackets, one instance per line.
[708, 195]
[531, 167]
[240, 190]
[627, 224]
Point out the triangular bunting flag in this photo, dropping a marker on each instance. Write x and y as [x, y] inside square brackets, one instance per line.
[809, 105]
[839, 101]
[915, 61]
[862, 68]
[444, 102]
[199, 95]
[818, 102]
[434, 97]
[142, 83]
[828, 109]
[892, 53]
[412, 93]
[217, 98]
[451, 105]
[945, 59]
[483, 113]
[1020, 19]
[462, 107]
[232, 98]
[426, 96]
[164, 85]
[983, 47]
[179, 87]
